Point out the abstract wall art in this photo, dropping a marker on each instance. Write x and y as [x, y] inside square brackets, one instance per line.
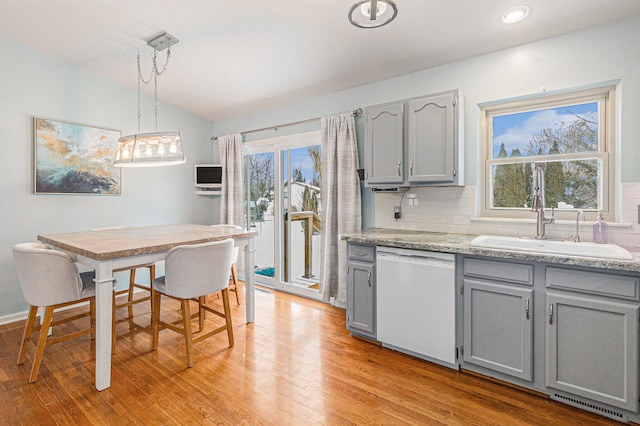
[72, 158]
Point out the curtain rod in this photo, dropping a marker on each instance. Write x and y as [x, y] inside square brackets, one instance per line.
[354, 112]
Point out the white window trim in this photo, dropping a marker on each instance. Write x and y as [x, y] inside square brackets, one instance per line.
[607, 126]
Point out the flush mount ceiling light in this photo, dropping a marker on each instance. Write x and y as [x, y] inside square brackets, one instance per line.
[515, 14]
[372, 13]
[151, 149]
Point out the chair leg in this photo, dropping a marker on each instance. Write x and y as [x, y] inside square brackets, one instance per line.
[201, 312]
[152, 276]
[187, 331]
[132, 280]
[42, 343]
[28, 329]
[155, 318]
[234, 276]
[227, 315]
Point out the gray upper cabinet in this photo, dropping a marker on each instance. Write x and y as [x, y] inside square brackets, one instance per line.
[415, 142]
[431, 143]
[592, 348]
[384, 151]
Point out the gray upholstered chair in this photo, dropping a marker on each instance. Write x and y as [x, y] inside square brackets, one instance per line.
[192, 272]
[234, 260]
[50, 278]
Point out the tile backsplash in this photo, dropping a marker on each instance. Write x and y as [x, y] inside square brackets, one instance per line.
[453, 210]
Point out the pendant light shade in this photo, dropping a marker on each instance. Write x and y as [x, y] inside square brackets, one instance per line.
[150, 150]
[372, 13]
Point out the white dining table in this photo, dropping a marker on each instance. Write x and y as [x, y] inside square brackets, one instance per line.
[105, 250]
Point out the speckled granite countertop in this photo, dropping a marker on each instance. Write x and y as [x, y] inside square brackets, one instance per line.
[460, 244]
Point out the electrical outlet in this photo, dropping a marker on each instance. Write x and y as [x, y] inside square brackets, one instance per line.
[397, 212]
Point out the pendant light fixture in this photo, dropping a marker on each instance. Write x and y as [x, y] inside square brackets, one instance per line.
[372, 13]
[151, 149]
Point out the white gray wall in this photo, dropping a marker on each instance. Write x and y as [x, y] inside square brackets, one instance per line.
[609, 52]
[33, 84]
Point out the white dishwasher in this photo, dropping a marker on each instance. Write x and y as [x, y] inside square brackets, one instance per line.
[416, 299]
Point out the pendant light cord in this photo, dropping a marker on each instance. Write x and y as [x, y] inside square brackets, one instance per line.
[154, 75]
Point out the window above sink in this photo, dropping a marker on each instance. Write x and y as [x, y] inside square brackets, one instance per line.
[570, 133]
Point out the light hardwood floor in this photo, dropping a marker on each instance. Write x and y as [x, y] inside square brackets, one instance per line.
[296, 365]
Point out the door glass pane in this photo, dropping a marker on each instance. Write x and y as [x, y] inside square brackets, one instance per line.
[301, 216]
[259, 211]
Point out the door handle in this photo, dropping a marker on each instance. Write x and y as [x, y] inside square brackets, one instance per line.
[369, 279]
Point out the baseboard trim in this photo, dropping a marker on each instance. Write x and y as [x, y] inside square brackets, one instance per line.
[15, 317]
[21, 316]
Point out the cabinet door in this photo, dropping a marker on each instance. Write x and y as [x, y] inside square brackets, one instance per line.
[592, 349]
[384, 146]
[361, 298]
[498, 328]
[431, 139]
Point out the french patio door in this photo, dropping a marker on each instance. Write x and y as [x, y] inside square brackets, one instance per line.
[284, 205]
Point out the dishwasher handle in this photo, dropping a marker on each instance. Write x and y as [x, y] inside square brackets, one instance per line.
[422, 258]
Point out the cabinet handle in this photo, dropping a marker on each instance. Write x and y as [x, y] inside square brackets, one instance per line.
[550, 313]
[360, 253]
[399, 169]
[411, 167]
[369, 279]
[526, 307]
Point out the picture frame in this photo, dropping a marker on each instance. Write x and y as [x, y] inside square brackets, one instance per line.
[72, 158]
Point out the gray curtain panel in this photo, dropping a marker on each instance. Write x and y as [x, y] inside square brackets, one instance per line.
[231, 201]
[340, 189]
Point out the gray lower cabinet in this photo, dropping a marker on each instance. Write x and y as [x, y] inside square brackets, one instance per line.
[592, 348]
[567, 331]
[498, 317]
[361, 290]
[498, 328]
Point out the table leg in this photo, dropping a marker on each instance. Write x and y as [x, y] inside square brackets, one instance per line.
[104, 300]
[249, 283]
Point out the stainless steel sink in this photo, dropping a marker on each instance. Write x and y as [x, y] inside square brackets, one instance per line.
[569, 248]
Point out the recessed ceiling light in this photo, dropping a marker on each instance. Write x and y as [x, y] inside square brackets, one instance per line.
[516, 14]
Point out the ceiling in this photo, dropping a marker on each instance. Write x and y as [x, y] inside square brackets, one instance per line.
[238, 57]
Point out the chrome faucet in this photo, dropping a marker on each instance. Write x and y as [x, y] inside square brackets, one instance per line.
[537, 204]
[576, 237]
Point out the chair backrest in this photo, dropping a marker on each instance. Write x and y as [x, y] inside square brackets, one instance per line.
[234, 258]
[47, 277]
[198, 269]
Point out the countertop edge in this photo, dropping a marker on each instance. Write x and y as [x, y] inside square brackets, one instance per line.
[460, 244]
